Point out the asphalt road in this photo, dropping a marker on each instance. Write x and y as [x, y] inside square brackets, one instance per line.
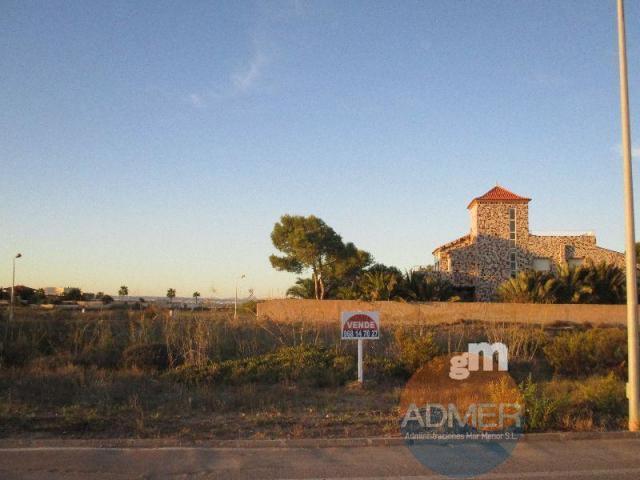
[604, 459]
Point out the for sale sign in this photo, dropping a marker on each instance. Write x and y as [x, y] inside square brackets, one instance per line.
[360, 325]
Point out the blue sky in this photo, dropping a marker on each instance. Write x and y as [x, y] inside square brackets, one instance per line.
[154, 144]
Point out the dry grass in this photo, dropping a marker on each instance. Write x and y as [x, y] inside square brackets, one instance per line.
[75, 401]
[65, 374]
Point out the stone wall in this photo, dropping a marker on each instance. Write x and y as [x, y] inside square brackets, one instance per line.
[443, 312]
[562, 248]
[464, 262]
[493, 219]
[483, 259]
[494, 248]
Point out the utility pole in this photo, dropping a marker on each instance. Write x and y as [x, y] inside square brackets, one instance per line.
[13, 286]
[633, 386]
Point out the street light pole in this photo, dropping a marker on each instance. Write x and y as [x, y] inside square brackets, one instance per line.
[633, 386]
[235, 303]
[13, 286]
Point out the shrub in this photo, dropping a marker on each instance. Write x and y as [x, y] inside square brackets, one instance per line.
[82, 418]
[602, 397]
[592, 403]
[250, 306]
[541, 411]
[308, 365]
[345, 368]
[415, 350]
[149, 356]
[383, 368]
[593, 351]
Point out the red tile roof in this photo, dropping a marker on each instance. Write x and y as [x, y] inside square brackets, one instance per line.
[499, 194]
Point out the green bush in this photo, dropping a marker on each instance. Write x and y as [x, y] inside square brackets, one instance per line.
[308, 365]
[250, 306]
[149, 356]
[597, 350]
[542, 412]
[383, 368]
[602, 397]
[82, 418]
[596, 402]
[415, 350]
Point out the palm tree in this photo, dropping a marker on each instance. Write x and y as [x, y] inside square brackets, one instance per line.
[413, 285]
[425, 286]
[571, 286]
[195, 295]
[348, 292]
[171, 294]
[304, 288]
[529, 287]
[606, 282]
[379, 285]
[124, 291]
[437, 289]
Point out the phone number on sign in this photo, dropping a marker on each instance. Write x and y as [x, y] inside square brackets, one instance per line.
[360, 334]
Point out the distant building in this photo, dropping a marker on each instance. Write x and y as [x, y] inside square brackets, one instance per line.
[53, 291]
[499, 245]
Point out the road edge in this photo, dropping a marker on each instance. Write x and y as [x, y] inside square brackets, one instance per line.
[92, 443]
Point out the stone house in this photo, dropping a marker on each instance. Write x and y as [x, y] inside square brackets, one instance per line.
[499, 245]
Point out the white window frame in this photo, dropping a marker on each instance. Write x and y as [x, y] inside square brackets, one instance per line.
[513, 263]
[513, 241]
[547, 259]
[577, 262]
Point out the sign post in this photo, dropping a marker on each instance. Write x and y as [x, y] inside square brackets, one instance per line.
[360, 326]
[360, 366]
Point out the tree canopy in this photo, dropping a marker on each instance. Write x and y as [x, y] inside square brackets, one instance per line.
[309, 244]
[341, 270]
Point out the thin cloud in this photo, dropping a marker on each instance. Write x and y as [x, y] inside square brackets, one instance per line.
[196, 100]
[241, 82]
[247, 78]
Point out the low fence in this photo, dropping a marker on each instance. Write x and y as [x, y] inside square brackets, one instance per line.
[443, 312]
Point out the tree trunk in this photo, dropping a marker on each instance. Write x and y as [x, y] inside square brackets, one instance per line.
[321, 282]
[315, 285]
